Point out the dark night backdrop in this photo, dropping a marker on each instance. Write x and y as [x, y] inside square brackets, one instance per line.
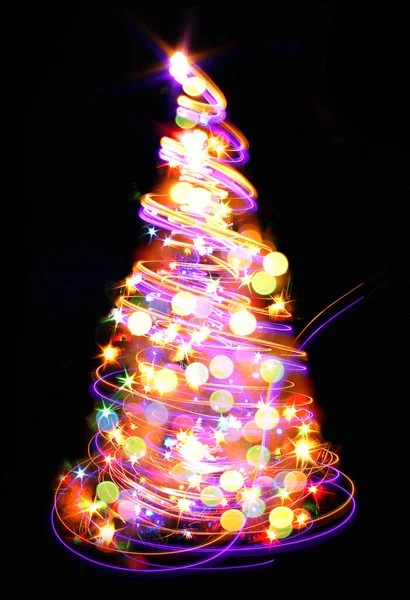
[327, 156]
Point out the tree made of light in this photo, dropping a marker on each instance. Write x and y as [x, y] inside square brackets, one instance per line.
[206, 450]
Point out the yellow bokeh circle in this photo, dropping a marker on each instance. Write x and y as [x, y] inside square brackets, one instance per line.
[194, 86]
[275, 263]
[266, 417]
[221, 401]
[233, 520]
[242, 322]
[221, 367]
[180, 191]
[258, 456]
[107, 491]
[165, 380]
[193, 450]
[135, 446]
[183, 303]
[272, 370]
[139, 323]
[263, 283]
[212, 495]
[231, 480]
[281, 517]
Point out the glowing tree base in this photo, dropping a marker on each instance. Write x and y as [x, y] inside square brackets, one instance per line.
[206, 451]
[168, 539]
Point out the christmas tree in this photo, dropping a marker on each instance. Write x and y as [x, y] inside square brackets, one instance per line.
[206, 450]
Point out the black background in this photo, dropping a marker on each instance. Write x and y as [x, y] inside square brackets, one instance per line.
[320, 94]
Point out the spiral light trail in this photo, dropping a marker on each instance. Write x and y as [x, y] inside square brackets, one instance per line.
[207, 453]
